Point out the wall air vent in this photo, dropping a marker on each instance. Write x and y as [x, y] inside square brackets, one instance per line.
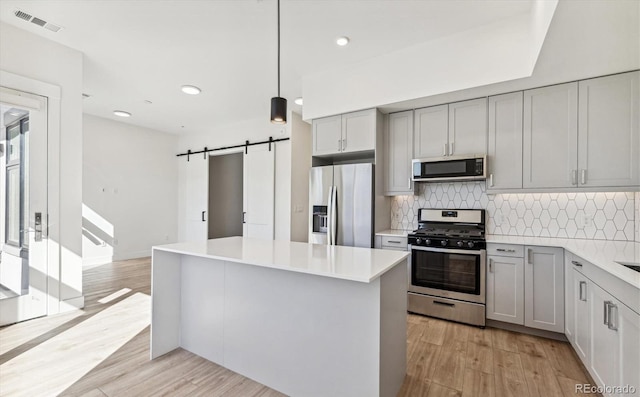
[37, 21]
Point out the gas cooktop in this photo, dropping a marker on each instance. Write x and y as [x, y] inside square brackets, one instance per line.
[449, 228]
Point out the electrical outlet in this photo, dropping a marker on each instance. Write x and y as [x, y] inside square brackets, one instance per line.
[587, 220]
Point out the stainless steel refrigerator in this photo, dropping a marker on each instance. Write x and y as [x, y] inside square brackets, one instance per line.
[341, 199]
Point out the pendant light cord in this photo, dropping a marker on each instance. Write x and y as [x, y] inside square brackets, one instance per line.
[278, 48]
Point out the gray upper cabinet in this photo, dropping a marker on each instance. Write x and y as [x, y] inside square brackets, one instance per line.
[327, 135]
[608, 131]
[504, 148]
[550, 136]
[454, 129]
[468, 127]
[346, 133]
[398, 142]
[431, 132]
[359, 131]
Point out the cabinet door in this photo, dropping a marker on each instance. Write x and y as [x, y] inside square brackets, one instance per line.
[431, 131]
[605, 353]
[327, 135]
[582, 316]
[399, 148]
[468, 127]
[505, 289]
[569, 299]
[544, 288]
[359, 131]
[629, 329]
[550, 136]
[609, 131]
[504, 149]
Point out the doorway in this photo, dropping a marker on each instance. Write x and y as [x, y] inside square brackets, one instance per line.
[23, 206]
[225, 195]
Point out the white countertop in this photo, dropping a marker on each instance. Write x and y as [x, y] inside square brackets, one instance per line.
[347, 263]
[602, 253]
[394, 232]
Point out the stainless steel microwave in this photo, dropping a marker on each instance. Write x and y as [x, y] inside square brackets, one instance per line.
[450, 168]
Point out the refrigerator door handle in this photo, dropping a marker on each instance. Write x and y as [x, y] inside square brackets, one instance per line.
[329, 216]
[334, 215]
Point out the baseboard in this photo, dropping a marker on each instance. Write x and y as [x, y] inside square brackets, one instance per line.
[132, 255]
[72, 304]
[526, 330]
[100, 260]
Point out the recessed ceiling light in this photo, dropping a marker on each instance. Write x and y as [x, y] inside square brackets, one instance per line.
[298, 101]
[191, 89]
[121, 113]
[342, 41]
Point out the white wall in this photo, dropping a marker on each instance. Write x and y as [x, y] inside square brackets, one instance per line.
[585, 39]
[300, 165]
[31, 56]
[129, 190]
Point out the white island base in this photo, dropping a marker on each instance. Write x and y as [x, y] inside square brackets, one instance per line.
[303, 319]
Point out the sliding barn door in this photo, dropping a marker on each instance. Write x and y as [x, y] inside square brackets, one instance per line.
[258, 198]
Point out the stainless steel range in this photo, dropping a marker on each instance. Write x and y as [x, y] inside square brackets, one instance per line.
[448, 264]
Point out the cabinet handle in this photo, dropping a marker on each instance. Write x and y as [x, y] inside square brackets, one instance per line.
[583, 284]
[451, 147]
[408, 183]
[574, 177]
[576, 263]
[202, 216]
[490, 265]
[505, 250]
[444, 151]
[530, 256]
[491, 180]
[444, 303]
[393, 241]
[612, 317]
[583, 176]
[606, 312]
[339, 145]
[244, 217]
[344, 144]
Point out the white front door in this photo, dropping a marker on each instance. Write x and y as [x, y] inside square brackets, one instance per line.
[23, 206]
[259, 191]
[194, 198]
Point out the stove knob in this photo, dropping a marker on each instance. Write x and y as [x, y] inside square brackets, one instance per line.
[427, 242]
[470, 244]
[418, 240]
[443, 243]
[460, 243]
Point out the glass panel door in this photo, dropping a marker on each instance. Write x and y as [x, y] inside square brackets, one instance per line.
[446, 271]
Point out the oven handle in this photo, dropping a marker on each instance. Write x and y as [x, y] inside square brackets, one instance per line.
[447, 250]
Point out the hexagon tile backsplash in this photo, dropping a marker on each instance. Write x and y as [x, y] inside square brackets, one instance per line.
[601, 216]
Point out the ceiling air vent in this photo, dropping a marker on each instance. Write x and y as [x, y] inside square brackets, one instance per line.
[37, 21]
[23, 15]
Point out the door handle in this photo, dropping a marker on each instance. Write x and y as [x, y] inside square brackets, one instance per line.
[574, 177]
[339, 145]
[611, 317]
[202, 216]
[606, 313]
[583, 284]
[491, 180]
[244, 217]
[490, 265]
[444, 151]
[530, 256]
[408, 183]
[576, 263]
[451, 148]
[505, 250]
[583, 176]
[344, 144]
[38, 227]
[444, 303]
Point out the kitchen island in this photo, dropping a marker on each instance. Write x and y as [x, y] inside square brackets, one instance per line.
[304, 319]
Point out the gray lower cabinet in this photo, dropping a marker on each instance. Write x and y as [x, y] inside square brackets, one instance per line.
[544, 288]
[505, 289]
[603, 330]
[525, 286]
[504, 142]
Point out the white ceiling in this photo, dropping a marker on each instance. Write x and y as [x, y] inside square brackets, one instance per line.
[137, 50]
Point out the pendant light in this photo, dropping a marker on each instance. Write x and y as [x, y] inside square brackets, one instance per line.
[278, 104]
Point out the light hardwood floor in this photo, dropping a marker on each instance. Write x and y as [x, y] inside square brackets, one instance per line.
[443, 358]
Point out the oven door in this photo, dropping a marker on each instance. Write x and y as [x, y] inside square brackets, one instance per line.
[448, 273]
